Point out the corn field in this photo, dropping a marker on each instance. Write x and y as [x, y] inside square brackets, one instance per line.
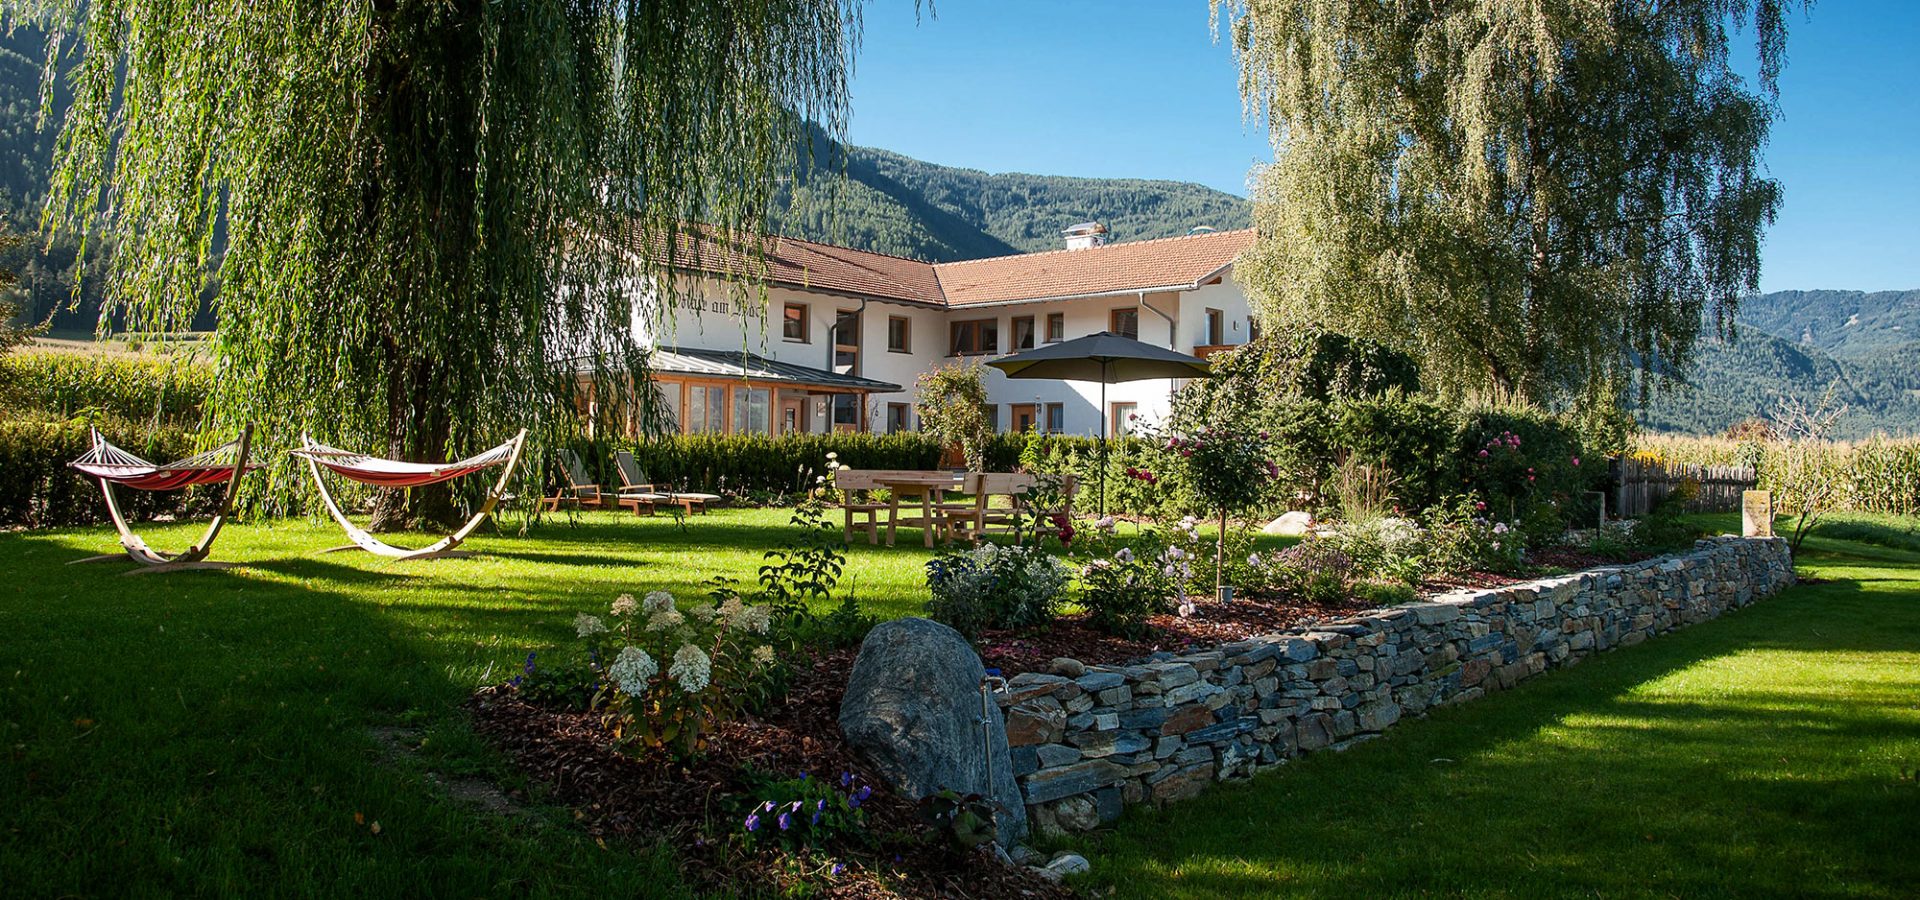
[1879, 475]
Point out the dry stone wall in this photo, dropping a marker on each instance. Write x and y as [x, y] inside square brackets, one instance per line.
[1163, 729]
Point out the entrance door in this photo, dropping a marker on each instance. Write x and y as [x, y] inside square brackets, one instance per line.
[793, 416]
[1025, 416]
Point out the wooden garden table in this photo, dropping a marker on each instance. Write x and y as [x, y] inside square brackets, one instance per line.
[927, 487]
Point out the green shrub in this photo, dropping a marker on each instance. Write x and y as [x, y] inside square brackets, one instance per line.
[171, 392]
[38, 490]
[747, 463]
[995, 587]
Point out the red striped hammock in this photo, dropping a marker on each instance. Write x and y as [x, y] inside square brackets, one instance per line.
[109, 463]
[393, 473]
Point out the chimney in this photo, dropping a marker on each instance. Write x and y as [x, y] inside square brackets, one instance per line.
[1085, 235]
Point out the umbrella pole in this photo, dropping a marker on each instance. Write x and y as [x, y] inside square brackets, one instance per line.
[1103, 438]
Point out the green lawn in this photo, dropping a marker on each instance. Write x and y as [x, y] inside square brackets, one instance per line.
[208, 733]
[1771, 753]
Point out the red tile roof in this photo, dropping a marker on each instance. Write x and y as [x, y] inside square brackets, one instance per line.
[1164, 263]
[1177, 262]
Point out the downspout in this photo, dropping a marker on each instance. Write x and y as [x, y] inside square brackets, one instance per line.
[1173, 340]
[833, 345]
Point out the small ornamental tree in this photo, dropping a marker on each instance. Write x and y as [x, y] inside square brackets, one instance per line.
[953, 409]
[1228, 471]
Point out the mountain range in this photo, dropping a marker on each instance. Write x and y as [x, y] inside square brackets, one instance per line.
[1864, 348]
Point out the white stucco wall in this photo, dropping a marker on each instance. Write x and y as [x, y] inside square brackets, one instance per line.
[714, 318]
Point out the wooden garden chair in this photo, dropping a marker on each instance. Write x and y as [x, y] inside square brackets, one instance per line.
[973, 521]
[579, 489]
[634, 484]
[857, 486]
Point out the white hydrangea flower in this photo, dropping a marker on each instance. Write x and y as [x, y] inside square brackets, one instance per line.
[631, 669]
[763, 655]
[625, 605]
[1123, 556]
[731, 610]
[756, 619]
[703, 614]
[1175, 553]
[691, 668]
[658, 601]
[666, 620]
[832, 455]
[587, 626]
[1105, 523]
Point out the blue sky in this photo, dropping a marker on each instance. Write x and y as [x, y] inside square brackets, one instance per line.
[1138, 89]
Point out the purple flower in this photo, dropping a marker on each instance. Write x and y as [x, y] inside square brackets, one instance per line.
[786, 821]
[846, 778]
[529, 665]
[816, 819]
[753, 821]
[864, 792]
[837, 869]
[515, 681]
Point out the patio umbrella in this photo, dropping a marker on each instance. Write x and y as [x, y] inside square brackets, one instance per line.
[1106, 358]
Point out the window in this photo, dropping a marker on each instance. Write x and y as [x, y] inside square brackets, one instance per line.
[846, 342]
[975, 337]
[1056, 418]
[1126, 321]
[1023, 332]
[993, 417]
[897, 420]
[1025, 416]
[899, 334]
[1056, 327]
[706, 409]
[1253, 329]
[846, 412]
[1123, 415]
[793, 326]
[751, 413]
[1216, 328]
[670, 404]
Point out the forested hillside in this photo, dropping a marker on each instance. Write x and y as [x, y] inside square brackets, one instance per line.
[894, 204]
[1799, 344]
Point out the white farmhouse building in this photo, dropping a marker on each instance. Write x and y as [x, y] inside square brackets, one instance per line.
[845, 332]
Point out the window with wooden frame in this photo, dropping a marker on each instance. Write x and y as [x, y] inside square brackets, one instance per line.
[1056, 327]
[899, 334]
[1122, 418]
[897, 418]
[1125, 321]
[1056, 418]
[974, 337]
[793, 323]
[1216, 328]
[1023, 335]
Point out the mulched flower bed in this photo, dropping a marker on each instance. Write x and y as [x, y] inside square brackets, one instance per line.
[1212, 622]
[614, 795]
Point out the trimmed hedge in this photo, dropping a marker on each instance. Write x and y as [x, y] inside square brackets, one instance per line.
[115, 387]
[38, 490]
[758, 463]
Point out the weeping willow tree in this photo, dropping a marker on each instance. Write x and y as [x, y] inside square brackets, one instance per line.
[1535, 198]
[424, 217]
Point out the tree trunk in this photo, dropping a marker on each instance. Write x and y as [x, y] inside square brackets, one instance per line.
[1220, 556]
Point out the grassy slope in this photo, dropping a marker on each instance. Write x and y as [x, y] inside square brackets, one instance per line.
[1770, 753]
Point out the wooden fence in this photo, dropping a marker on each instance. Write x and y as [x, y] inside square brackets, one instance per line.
[1640, 485]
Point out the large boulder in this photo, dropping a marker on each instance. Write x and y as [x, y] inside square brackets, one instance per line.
[912, 710]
